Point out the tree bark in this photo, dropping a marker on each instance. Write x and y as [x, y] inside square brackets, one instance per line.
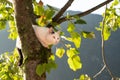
[31, 48]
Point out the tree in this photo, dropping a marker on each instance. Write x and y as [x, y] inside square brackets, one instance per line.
[38, 58]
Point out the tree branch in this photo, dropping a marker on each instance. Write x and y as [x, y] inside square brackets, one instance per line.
[103, 46]
[60, 13]
[103, 50]
[63, 19]
[98, 73]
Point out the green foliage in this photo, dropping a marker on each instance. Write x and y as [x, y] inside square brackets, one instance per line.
[74, 36]
[41, 68]
[2, 25]
[8, 63]
[73, 59]
[13, 30]
[46, 67]
[80, 21]
[112, 19]
[71, 27]
[76, 39]
[45, 14]
[52, 8]
[89, 35]
[9, 69]
[7, 17]
[6, 11]
[84, 77]
[60, 52]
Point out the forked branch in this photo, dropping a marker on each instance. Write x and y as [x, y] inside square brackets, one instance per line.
[63, 19]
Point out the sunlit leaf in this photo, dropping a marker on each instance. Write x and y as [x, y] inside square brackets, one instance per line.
[13, 30]
[60, 52]
[77, 42]
[84, 77]
[71, 27]
[52, 57]
[112, 21]
[39, 10]
[76, 38]
[98, 28]
[89, 35]
[74, 63]
[72, 52]
[107, 33]
[9, 67]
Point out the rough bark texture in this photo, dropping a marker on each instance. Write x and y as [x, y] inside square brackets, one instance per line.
[36, 54]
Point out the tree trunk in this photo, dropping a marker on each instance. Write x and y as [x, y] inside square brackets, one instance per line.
[32, 49]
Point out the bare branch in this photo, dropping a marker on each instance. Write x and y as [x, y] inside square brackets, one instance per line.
[84, 13]
[60, 13]
[98, 73]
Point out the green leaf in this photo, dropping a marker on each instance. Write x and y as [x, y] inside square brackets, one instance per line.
[49, 13]
[72, 52]
[76, 38]
[74, 63]
[89, 35]
[8, 66]
[107, 33]
[41, 68]
[84, 77]
[2, 25]
[39, 10]
[51, 65]
[52, 57]
[80, 21]
[13, 30]
[52, 8]
[60, 52]
[70, 27]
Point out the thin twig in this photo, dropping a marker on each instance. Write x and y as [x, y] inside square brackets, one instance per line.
[84, 13]
[99, 72]
[103, 49]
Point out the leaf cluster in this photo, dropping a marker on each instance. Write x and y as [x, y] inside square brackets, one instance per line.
[112, 19]
[7, 18]
[45, 13]
[8, 69]
[74, 38]
[46, 67]
[6, 13]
